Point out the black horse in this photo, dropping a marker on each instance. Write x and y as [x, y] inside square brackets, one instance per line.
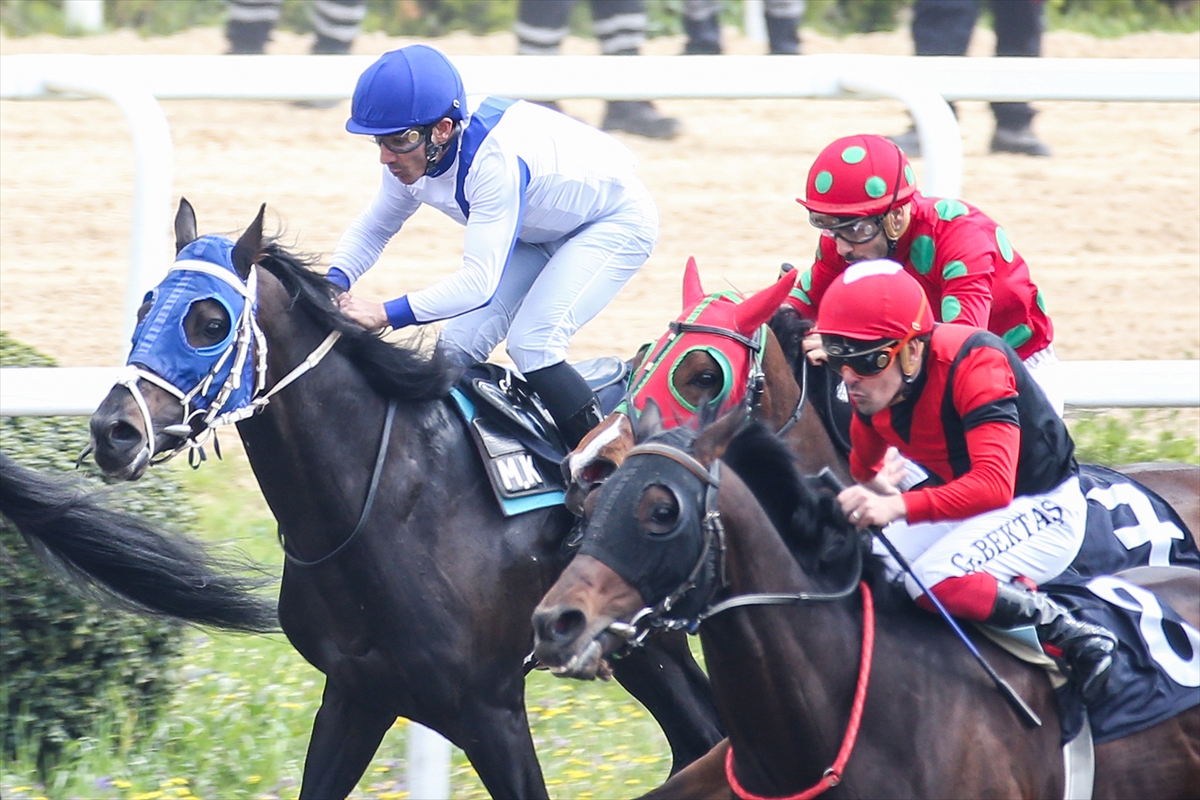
[696, 538]
[411, 593]
[148, 571]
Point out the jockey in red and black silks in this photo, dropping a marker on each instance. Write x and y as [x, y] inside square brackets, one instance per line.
[1006, 503]
[730, 328]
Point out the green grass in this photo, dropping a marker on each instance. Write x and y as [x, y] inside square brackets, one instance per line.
[238, 724]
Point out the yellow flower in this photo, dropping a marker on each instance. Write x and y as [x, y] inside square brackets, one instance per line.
[253, 779]
[121, 784]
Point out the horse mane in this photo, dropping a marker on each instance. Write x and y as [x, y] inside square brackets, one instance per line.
[810, 522]
[406, 372]
[790, 329]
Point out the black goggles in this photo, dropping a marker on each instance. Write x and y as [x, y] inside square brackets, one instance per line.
[855, 230]
[864, 363]
[404, 141]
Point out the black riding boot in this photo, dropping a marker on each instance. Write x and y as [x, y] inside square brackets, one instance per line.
[569, 400]
[1087, 649]
[703, 36]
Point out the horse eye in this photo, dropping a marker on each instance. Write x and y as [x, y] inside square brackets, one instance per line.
[707, 379]
[216, 329]
[659, 510]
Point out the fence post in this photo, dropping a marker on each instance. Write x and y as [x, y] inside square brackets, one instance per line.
[428, 764]
[83, 16]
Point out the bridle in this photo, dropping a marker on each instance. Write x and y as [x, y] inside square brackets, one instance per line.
[197, 425]
[709, 571]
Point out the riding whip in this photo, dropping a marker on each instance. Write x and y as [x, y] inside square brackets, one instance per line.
[1027, 714]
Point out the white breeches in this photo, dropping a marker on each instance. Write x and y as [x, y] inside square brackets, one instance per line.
[1037, 536]
[1043, 367]
[550, 290]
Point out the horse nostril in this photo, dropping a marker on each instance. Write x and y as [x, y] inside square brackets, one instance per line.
[567, 626]
[123, 433]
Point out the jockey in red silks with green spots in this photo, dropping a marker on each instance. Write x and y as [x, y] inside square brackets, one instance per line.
[862, 195]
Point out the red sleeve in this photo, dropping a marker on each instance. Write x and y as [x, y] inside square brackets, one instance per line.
[964, 270]
[811, 284]
[985, 396]
[988, 485]
[867, 449]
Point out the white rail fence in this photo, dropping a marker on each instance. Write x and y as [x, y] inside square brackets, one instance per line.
[136, 83]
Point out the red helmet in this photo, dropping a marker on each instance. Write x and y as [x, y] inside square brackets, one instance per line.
[874, 300]
[858, 176]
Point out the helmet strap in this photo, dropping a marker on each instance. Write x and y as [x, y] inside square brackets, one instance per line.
[434, 152]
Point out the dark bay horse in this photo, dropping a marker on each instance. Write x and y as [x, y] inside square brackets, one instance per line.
[404, 583]
[126, 558]
[737, 359]
[844, 671]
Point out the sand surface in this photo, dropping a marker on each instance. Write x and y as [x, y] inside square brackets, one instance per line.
[1110, 224]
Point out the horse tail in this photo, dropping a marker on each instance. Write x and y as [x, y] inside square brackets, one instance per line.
[120, 554]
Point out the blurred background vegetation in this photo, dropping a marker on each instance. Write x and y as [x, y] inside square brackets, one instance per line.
[439, 17]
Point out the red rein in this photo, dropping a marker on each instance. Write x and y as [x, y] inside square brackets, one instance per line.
[833, 775]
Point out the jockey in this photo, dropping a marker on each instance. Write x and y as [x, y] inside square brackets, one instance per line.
[1004, 502]
[862, 196]
[556, 221]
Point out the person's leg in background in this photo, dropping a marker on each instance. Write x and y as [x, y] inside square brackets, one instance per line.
[249, 24]
[1018, 25]
[337, 24]
[620, 26]
[702, 24]
[939, 28]
[783, 25]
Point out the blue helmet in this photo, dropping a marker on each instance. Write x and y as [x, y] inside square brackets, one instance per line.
[415, 85]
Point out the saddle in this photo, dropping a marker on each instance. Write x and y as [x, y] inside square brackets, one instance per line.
[516, 437]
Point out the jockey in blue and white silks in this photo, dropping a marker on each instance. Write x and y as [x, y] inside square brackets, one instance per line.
[556, 221]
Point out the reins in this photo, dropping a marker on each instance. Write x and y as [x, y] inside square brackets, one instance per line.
[640, 625]
[380, 458]
[833, 775]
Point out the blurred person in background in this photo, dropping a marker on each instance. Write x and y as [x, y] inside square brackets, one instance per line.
[620, 27]
[944, 27]
[337, 23]
[702, 23]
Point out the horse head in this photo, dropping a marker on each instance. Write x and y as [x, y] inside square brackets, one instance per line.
[197, 351]
[719, 350]
[646, 539]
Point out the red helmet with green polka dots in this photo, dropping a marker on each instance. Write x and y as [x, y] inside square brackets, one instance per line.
[857, 176]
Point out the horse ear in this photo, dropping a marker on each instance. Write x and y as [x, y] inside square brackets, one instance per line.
[713, 440]
[250, 246]
[761, 306]
[648, 423]
[185, 225]
[693, 292]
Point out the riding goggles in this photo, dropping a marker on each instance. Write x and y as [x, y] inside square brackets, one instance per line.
[404, 141]
[855, 230]
[841, 352]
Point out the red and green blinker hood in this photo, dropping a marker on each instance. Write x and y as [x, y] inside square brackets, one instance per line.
[730, 328]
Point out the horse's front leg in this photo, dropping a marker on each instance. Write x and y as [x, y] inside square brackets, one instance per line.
[670, 684]
[345, 736]
[497, 740]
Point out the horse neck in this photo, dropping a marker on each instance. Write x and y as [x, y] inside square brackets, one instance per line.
[779, 674]
[312, 447]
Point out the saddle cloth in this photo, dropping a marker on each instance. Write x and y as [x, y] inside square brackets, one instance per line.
[517, 438]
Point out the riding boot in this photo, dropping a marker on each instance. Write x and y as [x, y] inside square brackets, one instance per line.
[703, 36]
[1086, 649]
[568, 398]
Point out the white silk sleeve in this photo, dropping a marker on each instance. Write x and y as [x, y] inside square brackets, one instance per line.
[495, 192]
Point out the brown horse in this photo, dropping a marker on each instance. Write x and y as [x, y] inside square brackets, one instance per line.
[696, 356]
[696, 537]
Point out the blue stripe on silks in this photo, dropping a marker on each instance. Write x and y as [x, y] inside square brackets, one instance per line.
[482, 122]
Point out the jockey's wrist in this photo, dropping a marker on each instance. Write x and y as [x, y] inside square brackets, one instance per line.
[338, 278]
[399, 313]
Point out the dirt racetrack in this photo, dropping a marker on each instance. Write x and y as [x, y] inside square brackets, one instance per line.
[1110, 224]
